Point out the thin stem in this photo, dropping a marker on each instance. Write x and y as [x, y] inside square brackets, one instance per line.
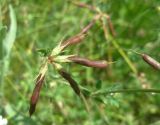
[84, 5]
[123, 54]
[85, 102]
[119, 49]
[126, 91]
[114, 42]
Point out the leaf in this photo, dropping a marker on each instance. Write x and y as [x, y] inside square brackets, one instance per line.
[109, 100]
[98, 84]
[9, 39]
[44, 52]
[10, 111]
[113, 102]
[86, 92]
[11, 35]
[156, 123]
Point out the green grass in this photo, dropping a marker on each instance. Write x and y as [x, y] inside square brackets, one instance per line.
[43, 24]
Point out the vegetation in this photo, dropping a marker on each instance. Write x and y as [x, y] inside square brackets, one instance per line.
[123, 88]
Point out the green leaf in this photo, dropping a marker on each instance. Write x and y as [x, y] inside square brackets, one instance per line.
[9, 39]
[86, 92]
[7, 44]
[10, 111]
[44, 52]
[11, 35]
[98, 84]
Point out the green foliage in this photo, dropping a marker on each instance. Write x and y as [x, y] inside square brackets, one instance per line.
[43, 24]
[44, 52]
[7, 44]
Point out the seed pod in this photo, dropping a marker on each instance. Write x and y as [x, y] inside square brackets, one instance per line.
[35, 94]
[152, 62]
[83, 5]
[71, 81]
[85, 29]
[73, 40]
[78, 38]
[110, 25]
[88, 63]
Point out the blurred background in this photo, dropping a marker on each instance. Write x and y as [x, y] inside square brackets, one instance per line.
[28, 25]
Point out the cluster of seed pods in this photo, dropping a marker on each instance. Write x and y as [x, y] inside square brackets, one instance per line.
[148, 59]
[76, 59]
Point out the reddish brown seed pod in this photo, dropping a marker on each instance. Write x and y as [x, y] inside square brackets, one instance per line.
[83, 5]
[110, 25]
[35, 94]
[78, 38]
[85, 29]
[73, 40]
[71, 81]
[152, 62]
[88, 63]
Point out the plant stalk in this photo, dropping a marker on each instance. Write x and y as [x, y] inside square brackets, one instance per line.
[126, 91]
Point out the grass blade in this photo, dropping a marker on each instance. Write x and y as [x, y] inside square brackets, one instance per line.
[8, 42]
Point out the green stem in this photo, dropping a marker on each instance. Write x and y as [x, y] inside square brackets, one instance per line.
[126, 91]
[117, 46]
[85, 102]
[120, 50]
